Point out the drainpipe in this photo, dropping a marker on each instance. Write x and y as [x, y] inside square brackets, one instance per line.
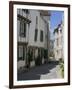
[47, 37]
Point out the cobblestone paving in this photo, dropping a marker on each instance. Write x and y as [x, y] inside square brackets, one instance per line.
[46, 71]
[52, 74]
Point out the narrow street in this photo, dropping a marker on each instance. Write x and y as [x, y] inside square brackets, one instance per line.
[46, 71]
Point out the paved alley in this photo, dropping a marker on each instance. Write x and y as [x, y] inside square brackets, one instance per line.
[46, 71]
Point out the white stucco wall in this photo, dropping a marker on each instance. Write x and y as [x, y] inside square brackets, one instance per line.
[60, 45]
[41, 26]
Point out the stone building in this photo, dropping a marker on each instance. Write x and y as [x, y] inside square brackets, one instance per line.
[59, 42]
[32, 36]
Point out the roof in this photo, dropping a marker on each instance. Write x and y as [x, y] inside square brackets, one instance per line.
[45, 13]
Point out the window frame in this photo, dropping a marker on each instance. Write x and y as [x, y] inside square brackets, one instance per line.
[23, 27]
[41, 35]
[36, 34]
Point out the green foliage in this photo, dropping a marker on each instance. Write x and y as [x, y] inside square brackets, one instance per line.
[61, 62]
[55, 30]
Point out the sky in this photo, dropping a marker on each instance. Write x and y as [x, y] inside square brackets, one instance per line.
[55, 19]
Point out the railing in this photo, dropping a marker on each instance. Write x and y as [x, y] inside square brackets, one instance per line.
[24, 14]
[22, 39]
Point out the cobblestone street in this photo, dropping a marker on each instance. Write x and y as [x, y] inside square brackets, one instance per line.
[46, 71]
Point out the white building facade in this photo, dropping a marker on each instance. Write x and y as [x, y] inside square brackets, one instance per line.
[32, 36]
[59, 42]
[51, 53]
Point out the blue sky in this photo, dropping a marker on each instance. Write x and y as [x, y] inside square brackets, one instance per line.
[55, 19]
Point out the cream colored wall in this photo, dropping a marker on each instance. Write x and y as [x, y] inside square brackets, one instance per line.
[58, 48]
[41, 26]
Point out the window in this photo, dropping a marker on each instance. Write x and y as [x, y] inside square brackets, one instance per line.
[36, 32]
[61, 31]
[26, 11]
[22, 29]
[41, 35]
[36, 26]
[21, 52]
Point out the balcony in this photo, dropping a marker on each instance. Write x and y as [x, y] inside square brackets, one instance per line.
[21, 14]
[22, 39]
